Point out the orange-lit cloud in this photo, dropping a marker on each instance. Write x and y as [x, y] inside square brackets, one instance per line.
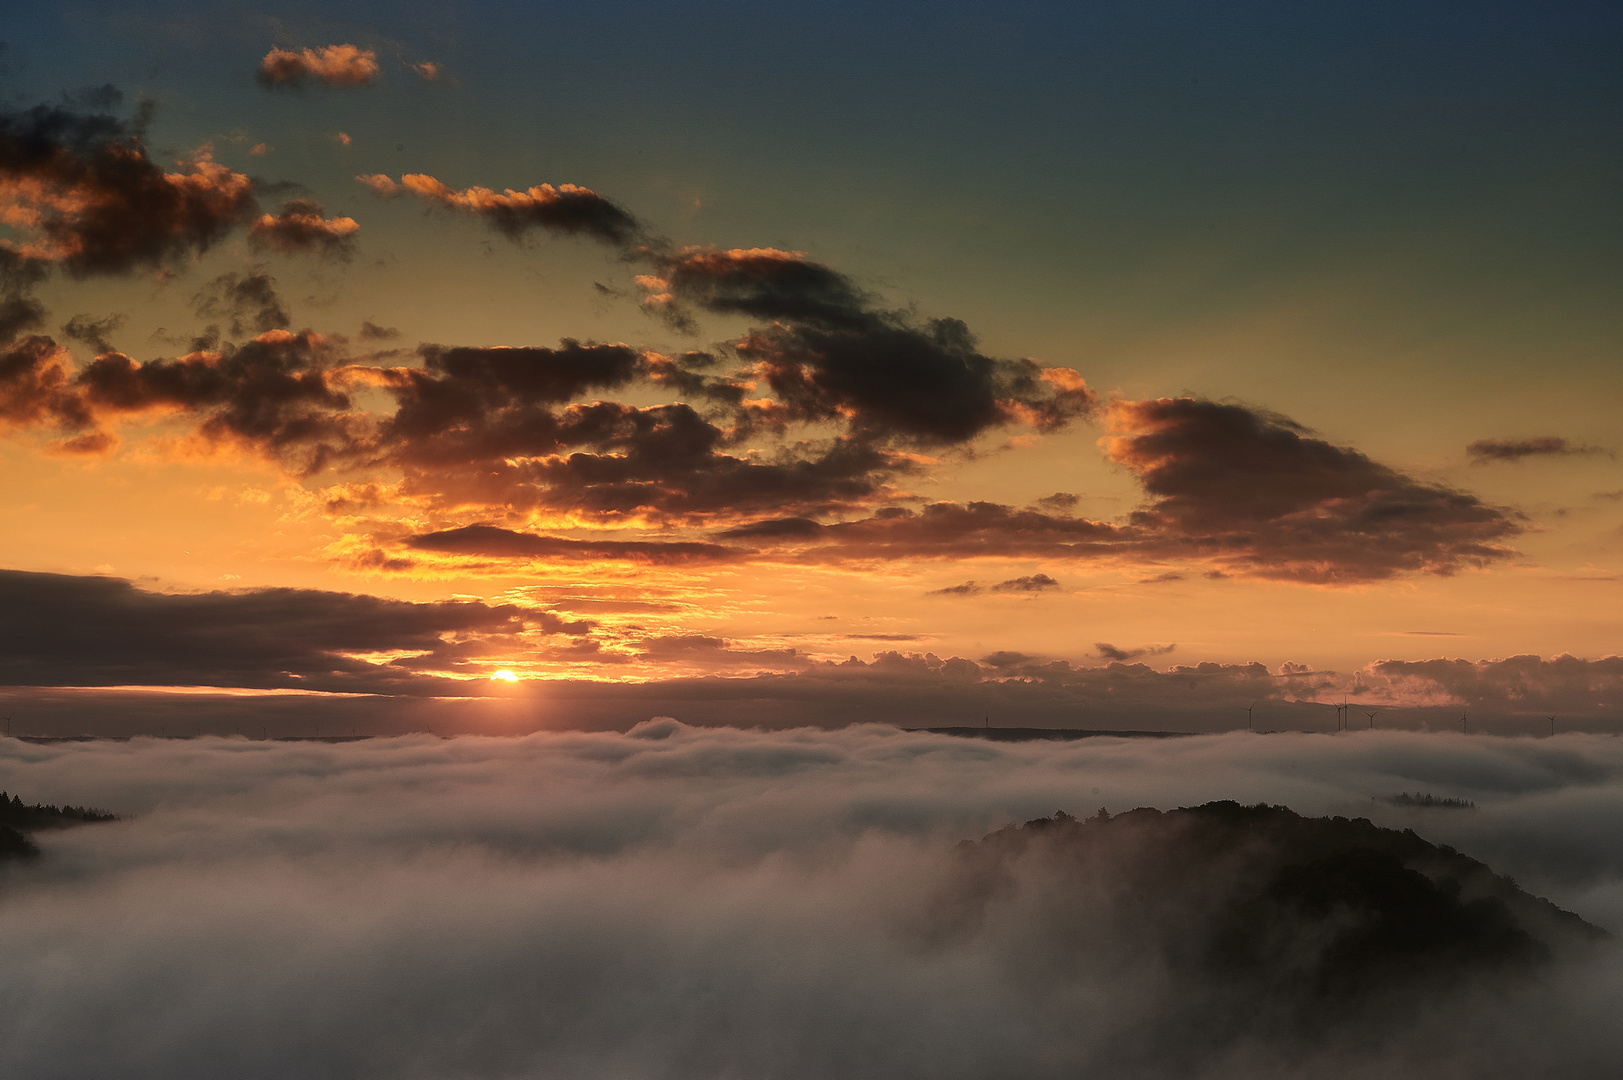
[301, 228]
[567, 208]
[88, 197]
[332, 65]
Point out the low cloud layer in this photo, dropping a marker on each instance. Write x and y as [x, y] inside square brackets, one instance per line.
[681, 903]
[94, 631]
[67, 631]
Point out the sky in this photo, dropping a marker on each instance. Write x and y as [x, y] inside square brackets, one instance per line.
[494, 367]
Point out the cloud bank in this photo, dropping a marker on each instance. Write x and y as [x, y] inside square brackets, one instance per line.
[681, 903]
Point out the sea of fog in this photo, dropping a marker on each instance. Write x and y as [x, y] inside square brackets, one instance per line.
[681, 902]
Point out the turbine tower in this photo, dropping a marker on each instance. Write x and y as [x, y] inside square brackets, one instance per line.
[1371, 716]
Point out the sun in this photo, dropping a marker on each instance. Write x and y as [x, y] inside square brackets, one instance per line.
[504, 676]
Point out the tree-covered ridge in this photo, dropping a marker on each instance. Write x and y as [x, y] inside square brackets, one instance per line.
[18, 818]
[1286, 923]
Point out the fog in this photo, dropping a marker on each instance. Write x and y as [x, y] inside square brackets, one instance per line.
[683, 902]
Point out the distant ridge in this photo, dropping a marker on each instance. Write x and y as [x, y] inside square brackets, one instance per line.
[1038, 734]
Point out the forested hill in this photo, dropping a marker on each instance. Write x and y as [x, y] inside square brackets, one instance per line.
[18, 819]
[1286, 922]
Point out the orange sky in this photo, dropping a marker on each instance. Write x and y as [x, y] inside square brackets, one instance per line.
[585, 439]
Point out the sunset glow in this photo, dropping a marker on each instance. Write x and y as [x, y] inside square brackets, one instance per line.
[777, 417]
[666, 540]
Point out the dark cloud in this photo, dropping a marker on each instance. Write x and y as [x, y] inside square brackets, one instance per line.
[481, 426]
[830, 355]
[331, 65]
[1513, 685]
[776, 528]
[1059, 502]
[1249, 491]
[249, 302]
[959, 530]
[457, 386]
[968, 588]
[94, 332]
[1487, 451]
[1111, 652]
[699, 651]
[662, 461]
[567, 208]
[18, 315]
[274, 394]
[490, 541]
[1254, 492]
[36, 386]
[1033, 583]
[100, 631]
[83, 188]
[301, 229]
[763, 283]
[371, 331]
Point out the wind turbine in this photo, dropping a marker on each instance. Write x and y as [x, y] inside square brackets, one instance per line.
[1463, 718]
[1551, 719]
[1372, 719]
[1248, 709]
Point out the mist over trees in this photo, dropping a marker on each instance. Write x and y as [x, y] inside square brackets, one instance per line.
[17, 819]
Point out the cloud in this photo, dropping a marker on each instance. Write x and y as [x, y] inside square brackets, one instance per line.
[102, 631]
[301, 229]
[956, 530]
[273, 394]
[402, 901]
[84, 192]
[490, 541]
[92, 331]
[1110, 652]
[663, 462]
[249, 301]
[380, 185]
[830, 355]
[1258, 495]
[567, 208]
[371, 331]
[1488, 451]
[1518, 685]
[429, 71]
[35, 385]
[1033, 583]
[701, 651]
[331, 65]
[18, 315]
[968, 588]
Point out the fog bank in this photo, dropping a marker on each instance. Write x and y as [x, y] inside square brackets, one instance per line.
[682, 902]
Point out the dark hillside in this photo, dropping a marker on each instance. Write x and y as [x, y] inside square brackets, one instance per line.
[1271, 924]
[17, 819]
